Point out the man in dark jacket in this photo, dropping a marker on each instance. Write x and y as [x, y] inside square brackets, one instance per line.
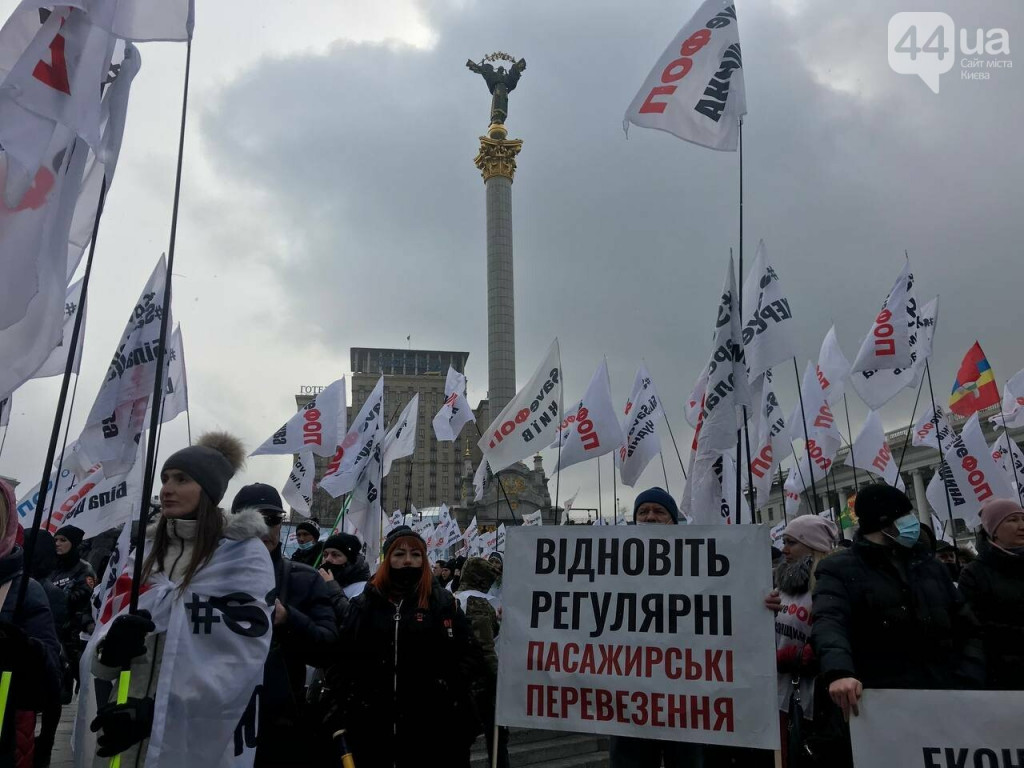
[76, 578]
[304, 634]
[344, 570]
[886, 613]
[307, 534]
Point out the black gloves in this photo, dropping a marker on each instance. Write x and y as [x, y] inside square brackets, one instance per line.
[123, 725]
[126, 639]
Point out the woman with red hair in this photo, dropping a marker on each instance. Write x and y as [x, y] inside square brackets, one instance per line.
[409, 667]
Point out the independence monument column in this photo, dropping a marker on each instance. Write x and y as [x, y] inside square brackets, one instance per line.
[497, 163]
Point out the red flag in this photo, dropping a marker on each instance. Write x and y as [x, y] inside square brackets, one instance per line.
[975, 386]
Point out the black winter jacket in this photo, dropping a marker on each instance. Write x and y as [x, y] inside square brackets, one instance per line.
[344, 576]
[994, 587]
[307, 637]
[892, 618]
[70, 575]
[36, 680]
[406, 681]
[308, 556]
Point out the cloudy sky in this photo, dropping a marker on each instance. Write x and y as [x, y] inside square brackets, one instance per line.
[330, 200]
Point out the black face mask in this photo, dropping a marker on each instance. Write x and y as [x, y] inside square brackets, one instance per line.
[406, 579]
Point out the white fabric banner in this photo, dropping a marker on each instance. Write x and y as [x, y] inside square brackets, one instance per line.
[298, 489]
[400, 441]
[5, 411]
[471, 531]
[479, 478]
[56, 363]
[530, 420]
[932, 430]
[396, 519]
[791, 491]
[533, 518]
[1012, 414]
[695, 402]
[52, 71]
[151, 20]
[313, 428]
[887, 344]
[30, 499]
[727, 389]
[833, 367]
[455, 413]
[550, 669]
[728, 497]
[1008, 456]
[117, 419]
[175, 400]
[592, 429]
[101, 503]
[201, 707]
[364, 508]
[945, 494]
[641, 442]
[1000, 485]
[823, 438]
[502, 535]
[771, 439]
[695, 90]
[34, 242]
[768, 323]
[876, 388]
[871, 452]
[358, 445]
[931, 729]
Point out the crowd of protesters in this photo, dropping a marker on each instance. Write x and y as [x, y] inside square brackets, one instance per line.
[376, 660]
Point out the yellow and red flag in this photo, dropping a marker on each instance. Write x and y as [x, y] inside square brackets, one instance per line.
[975, 386]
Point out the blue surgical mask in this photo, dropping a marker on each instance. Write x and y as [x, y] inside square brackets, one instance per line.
[306, 545]
[908, 530]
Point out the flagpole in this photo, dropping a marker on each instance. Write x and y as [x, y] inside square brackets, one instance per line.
[63, 447]
[782, 492]
[3, 441]
[807, 445]
[615, 493]
[678, 455]
[600, 504]
[558, 474]
[746, 423]
[664, 471]
[849, 429]
[910, 428]
[158, 380]
[58, 418]
[942, 461]
[1006, 434]
[501, 485]
[408, 490]
[188, 423]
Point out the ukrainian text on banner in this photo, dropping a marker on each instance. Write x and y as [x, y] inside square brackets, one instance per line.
[928, 729]
[654, 632]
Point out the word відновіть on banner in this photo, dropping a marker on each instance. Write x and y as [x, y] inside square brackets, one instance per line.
[657, 632]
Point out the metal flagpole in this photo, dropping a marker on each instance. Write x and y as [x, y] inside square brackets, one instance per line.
[63, 447]
[664, 471]
[849, 429]
[615, 493]
[910, 427]
[670, 434]
[600, 506]
[3, 441]
[58, 419]
[807, 445]
[501, 485]
[782, 492]
[1006, 433]
[942, 461]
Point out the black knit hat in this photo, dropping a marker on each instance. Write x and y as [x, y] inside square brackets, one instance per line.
[660, 497]
[71, 533]
[397, 533]
[211, 462]
[345, 543]
[259, 495]
[879, 505]
[310, 527]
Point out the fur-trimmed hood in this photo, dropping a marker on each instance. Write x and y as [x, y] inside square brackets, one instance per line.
[247, 523]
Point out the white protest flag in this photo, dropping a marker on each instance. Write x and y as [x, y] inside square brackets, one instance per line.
[887, 344]
[941, 528]
[400, 441]
[57, 361]
[5, 411]
[1012, 415]
[52, 66]
[871, 452]
[396, 519]
[102, 162]
[34, 243]
[107, 599]
[727, 390]
[533, 518]
[530, 420]
[117, 419]
[1008, 456]
[772, 442]
[488, 543]
[593, 429]
[695, 402]
[479, 477]
[970, 474]
[298, 488]
[443, 532]
[776, 532]
[455, 413]
[791, 490]
[27, 503]
[500, 543]
[823, 439]
[313, 428]
[768, 321]
[728, 503]
[101, 503]
[696, 91]
[833, 367]
[175, 400]
[567, 507]
[150, 20]
[358, 447]
[876, 388]
[471, 531]
[1000, 482]
[641, 442]
[364, 508]
[944, 493]
[932, 430]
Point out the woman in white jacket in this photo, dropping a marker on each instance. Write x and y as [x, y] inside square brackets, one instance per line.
[197, 645]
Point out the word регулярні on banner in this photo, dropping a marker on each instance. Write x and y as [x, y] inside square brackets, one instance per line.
[652, 632]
